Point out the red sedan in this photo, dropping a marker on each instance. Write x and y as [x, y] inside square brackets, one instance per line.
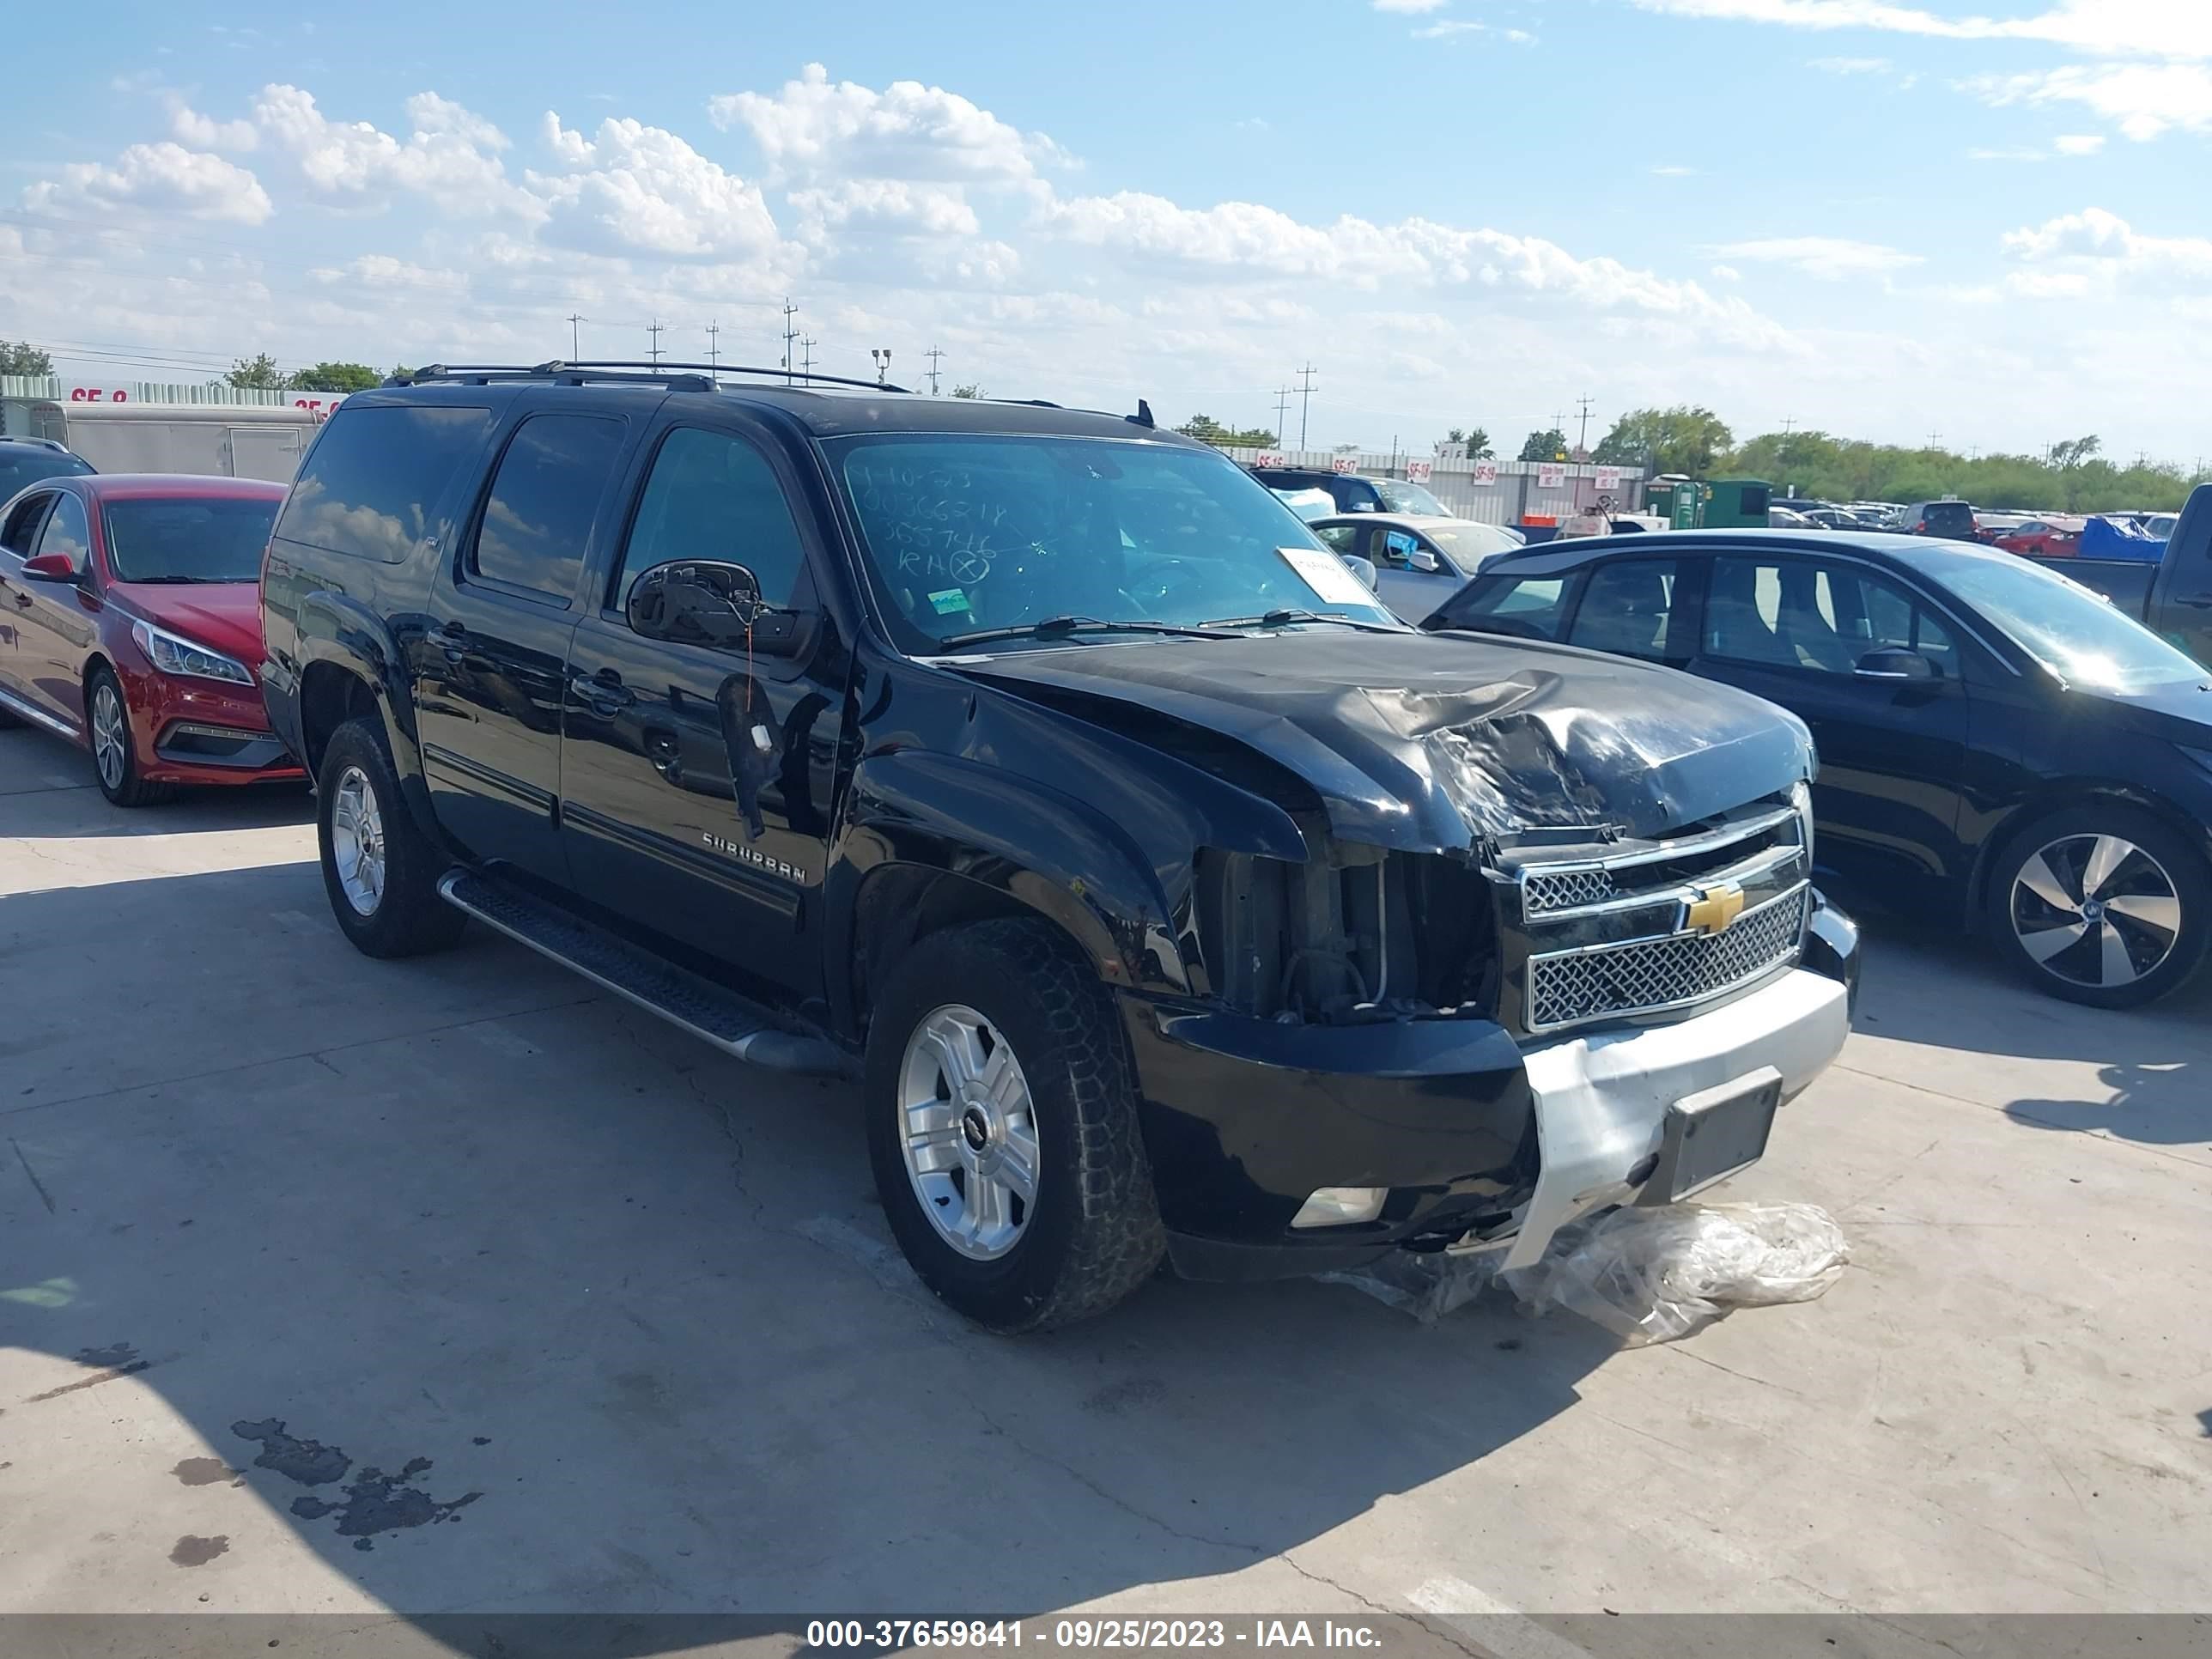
[131, 624]
[2044, 539]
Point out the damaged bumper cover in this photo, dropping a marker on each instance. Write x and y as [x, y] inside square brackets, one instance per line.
[1472, 1134]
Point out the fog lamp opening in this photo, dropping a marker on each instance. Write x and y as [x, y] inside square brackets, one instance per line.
[1341, 1206]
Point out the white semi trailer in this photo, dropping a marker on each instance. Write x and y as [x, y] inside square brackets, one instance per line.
[219, 439]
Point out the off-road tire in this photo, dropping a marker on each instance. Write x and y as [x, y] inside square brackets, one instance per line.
[130, 790]
[2181, 860]
[409, 918]
[1095, 1233]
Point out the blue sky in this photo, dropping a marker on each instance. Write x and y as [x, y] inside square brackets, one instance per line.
[1879, 217]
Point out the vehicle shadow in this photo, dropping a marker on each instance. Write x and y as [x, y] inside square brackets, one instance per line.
[49, 780]
[2141, 1073]
[449, 1285]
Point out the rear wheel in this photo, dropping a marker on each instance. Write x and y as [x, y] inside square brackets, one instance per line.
[2103, 905]
[114, 755]
[379, 869]
[1002, 1128]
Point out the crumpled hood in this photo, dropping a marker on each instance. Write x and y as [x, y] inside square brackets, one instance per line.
[224, 616]
[1428, 742]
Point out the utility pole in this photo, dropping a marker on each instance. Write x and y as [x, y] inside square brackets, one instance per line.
[655, 329]
[1782, 450]
[806, 343]
[1934, 438]
[789, 335]
[1282, 411]
[575, 336]
[934, 356]
[713, 346]
[1582, 439]
[1306, 400]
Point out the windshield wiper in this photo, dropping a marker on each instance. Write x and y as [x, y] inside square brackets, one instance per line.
[1281, 618]
[1059, 627]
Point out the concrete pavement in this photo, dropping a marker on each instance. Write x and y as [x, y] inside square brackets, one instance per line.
[595, 1320]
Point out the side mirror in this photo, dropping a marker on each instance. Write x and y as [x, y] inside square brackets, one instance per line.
[1892, 662]
[1362, 568]
[1422, 559]
[715, 602]
[51, 568]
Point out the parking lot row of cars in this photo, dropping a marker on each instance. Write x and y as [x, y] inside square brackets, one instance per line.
[1168, 894]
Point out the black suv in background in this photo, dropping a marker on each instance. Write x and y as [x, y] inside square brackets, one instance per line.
[1043, 770]
[1355, 492]
[1952, 520]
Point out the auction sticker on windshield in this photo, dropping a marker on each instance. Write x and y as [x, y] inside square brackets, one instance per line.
[1327, 575]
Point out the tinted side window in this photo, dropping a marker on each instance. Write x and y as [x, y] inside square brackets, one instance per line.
[714, 496]
[23, 524]
[1535, 607]
[1341, 537]
[1626, 608]
[372, 482]
[537, 521]
[67, 531]
[1788, 614]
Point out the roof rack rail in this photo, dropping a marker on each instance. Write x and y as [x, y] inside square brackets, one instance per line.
[685, 376]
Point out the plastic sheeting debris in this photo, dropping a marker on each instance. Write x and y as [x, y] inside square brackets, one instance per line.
[1647, 1275]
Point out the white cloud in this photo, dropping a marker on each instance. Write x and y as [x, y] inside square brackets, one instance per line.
[1853, 65]
[1727, 274]
[161, 177]
[891, 204]
[1672, 170]
[1830, 258]
[1409, 5]
[2158, 28]
[2099, 241]
[2142, 100]
[450, 158]
[2078, 143]
[907, 130]
[1980, 154]
[644, 189]
[1452, 28]
[198, 131]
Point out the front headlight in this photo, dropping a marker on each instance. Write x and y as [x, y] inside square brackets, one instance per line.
[1801, 797]
[173, 653]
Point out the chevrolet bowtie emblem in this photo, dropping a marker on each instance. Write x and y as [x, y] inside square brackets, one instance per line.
[1714, 909]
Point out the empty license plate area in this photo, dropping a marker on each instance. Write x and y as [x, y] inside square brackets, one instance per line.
[1714, 1133]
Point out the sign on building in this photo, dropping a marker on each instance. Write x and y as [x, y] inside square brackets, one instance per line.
[1608, 480]
[1485, 473]
[1550, 476]
[1420, 472]
[1269, 457]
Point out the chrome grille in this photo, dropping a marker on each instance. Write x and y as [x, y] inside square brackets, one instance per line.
[1648, 975]
[1543, 893]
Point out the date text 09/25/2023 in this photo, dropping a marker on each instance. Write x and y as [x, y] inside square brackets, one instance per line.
[894, 1635]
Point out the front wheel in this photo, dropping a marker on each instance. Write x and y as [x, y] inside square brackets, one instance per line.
[114, 755]
[381, 870]
[1002, 1128]
[2102, 905]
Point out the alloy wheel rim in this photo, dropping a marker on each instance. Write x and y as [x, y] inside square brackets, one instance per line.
[357, 841]
[967, 1130]
[2096, 911]
[109, 735]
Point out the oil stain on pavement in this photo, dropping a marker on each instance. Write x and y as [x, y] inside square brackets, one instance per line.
[374, 1502]
[193, 1551]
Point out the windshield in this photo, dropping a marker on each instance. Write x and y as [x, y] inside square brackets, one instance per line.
[1469, 543]
[28, 464]
[1949, 516]
[965, 534]
[200, 541]
[2063, 625]
[1410, 498]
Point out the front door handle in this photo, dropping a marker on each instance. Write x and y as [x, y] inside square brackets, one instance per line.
[2196, 601]
[603, 692]
[453, 640]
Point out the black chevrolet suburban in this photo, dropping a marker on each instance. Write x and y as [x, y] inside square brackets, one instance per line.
[1041, 770]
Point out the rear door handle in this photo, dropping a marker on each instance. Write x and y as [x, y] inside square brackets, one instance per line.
[2196, 601]
[604, 691]
[453, 640]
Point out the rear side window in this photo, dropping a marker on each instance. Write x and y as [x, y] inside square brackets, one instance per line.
[536, 522]
[29, 464]
[1626, 609]
[372, 484]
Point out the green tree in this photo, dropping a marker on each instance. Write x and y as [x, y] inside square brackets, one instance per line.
[968, 389]
[24, 358]
[1550, 445]
[258, 373]
[1687, 439]
[1207, 430]
[337, 377]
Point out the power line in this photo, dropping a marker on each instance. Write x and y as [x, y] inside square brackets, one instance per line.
[1306, 400]
[1583, 441]
[715, 346]
[789, 335]
[806, 344]
[656, 328]
[576, 337]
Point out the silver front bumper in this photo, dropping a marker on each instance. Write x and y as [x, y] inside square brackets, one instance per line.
[1601, 1098]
